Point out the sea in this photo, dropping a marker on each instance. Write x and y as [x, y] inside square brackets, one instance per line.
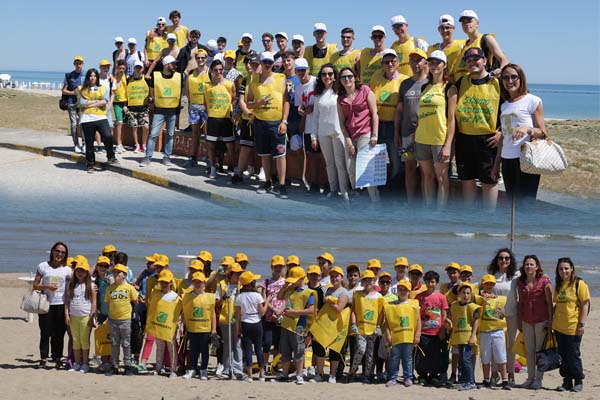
[560, 101]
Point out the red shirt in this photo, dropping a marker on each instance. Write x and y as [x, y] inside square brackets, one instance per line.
[431, 312]
[357, 115]
[533, 307]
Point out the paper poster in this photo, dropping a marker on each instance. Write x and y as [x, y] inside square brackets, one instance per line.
[371, 166]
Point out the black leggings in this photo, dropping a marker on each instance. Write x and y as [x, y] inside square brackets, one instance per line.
[522, 184]
[199, 345]
[271, 335]
[52, 332]
[252, 340]
[89, 132]
[319, 351]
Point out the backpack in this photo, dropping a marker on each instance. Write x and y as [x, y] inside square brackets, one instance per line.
[493, 63]
[577, 279]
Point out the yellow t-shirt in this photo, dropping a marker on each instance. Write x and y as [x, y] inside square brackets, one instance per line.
[119, 298]
[463, 317]
[138, 92]
[453, 54]
[367, 311]
[403, 50]
[490, 318]
[386, 95]
[273, 110]
[120, 90]
[314, 64]
[568, 300]
[346, 60]
[167, 92]
[402, 321]
[197, 84]
[181, 32]
[369, 65]
[433, 124]
[198, 311]
[477, 107]
[218, 99]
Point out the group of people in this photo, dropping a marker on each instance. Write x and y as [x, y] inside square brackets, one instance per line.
[360, 317]
[428, 104]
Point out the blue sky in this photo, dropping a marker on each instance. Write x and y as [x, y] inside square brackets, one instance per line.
[554, 43]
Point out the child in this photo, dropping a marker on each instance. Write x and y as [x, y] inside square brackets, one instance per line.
[452, 271]
[164, 308]
[271, 328]
[432, 362]
[415, 273]
[119, 297]
[250, 307]
[314, 283]
[367, 307]
[80, 307]
[227, 290]
[400, 267]
[464, 316]
[300, 303]
[491, 331]
[382, 355]
[200, 323]
[402, 332]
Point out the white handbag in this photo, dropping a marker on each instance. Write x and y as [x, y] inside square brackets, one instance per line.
[35, 302]
[542, 157]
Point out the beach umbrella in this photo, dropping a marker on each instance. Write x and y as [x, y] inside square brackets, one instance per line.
[4, 77]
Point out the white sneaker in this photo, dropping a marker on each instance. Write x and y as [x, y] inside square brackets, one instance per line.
[219, 371]
[173, 375]
[261, 174]
[310, 371]
[332, 379]
[213, 172]
[120, 149]
[299, 380]
[75, 368]
[248, 380]
[138, 149]
[82, 147]
[77, 149]
[203, 375]
[345, 197]
[189, 374]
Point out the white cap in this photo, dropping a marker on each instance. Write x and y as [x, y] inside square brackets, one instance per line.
[171, 36]
[319, 26]
[298, 37]
[138, 63]
[468, 14]
[131, 40]
[446, 19]
[398, 19]
[212, 44]
[438, 55]
[378, 28]
[247, 35]
[301, 63]
[161, 20]
[282, 34]
[388, 52]
[119, 39]
[168, 60]
[266, 56]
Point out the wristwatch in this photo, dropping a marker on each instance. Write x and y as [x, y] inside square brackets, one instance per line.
[284, 121]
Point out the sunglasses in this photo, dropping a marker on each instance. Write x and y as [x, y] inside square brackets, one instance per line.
[376, 36]
[385, 282]
[392, 61]
[346, 37]
[503, 258]
[267, 40]
[508, 78]
[329, 74]
[346, 77]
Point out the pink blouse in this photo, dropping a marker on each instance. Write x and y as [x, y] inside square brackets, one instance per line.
[533, 307]
[356, 113]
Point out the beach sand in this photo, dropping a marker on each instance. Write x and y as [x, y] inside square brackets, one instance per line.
[20, 378]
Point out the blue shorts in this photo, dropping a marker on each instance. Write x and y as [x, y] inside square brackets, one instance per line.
[197, 114]
[268, 141]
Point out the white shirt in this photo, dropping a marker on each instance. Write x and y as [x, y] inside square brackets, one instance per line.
[304, 95]
[514, 115]
[79, 305]
[54, 276]
[248, 303]
[325, 115]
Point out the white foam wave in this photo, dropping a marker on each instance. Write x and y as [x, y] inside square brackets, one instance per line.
[500, 235]
[465, 234]
[538, 236]
[586, 237]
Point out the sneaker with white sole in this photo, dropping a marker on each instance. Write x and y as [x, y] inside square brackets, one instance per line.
[75, 368]
[145, 162]
[121, 149]
[189, 374]
[332, 379]
[167, 162]
[84, 368]
[77, 149]
[220, 369]
[299, 380]
[138, 149]
[213, 172]
[248, 380]
[173, 375]
[203, 375]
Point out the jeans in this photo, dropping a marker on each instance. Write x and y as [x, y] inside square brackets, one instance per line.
[52, 332]
[199, 345]
[89, 133]
[569, 349]
[404, 352]
[73, 122]
[386, 136]
[252, 340]
[157, 121]
[120, 335]
[271, 335]
[236, 350]
[465, 364]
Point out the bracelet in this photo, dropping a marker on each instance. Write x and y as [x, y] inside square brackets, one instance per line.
[581, 324]
[284, 121]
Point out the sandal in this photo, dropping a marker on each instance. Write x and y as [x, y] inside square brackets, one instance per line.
[42, 364]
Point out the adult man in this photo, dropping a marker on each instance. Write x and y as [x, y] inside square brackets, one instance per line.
[386, 86]
[491, 49]
[106, 80]
[180, 31]
[320, 53]
[407, 113]
[242, 52]
[477, 111]
[133, 56]
[119, 54]
[292, 82]
[298, 45]
[72, 80]
[186, 60]
[196, 82]
[405, 43]
[171, 50]
[165, 95]
[268, 99]
[282, 44]
[348, 56]
[267, 41]
[451, 47]
[370, 58]
[156, 40]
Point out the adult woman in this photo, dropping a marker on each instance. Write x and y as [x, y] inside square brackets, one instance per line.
[435, 130]
[504, 267]
[219, 99]
[357, 110]
[535, 314]
[327, 133]
[572, 298]
[52, 277]
[522, 118]
[120, 91]
[93, 119]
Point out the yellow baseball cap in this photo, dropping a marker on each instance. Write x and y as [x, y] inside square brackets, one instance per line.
[82, 265]
[327, 257]
[109, 248]
[152, 258]
[336, 269]
[466, 268]
[102, 260]
[162, 261]
[197, 265]
[488, 278]
[401, 261]
[418, 52]
[78, 58]
[165, 276]
[385, 275]
[227, 260]
[229, 54]
[104, 62]
[80, 259]
[239, 257]
[367, 274]
[277, 260]
[70, 260]
[314, 269]
[374, 263]
[294, 274]
[199, 276]
[415, 267]
[464, 285]
[248, 277]
[205, 255]
[120, 267]
[404, 283]
[452, 265]
[234, 267]
[293, 260]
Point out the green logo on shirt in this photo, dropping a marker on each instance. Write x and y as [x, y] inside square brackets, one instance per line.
[369, 315]
[162, 317]
[404, 322]
[427, 98]
[562, 295]
[167, 92]
[384, 96]
[462, 323]
[198, 312]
